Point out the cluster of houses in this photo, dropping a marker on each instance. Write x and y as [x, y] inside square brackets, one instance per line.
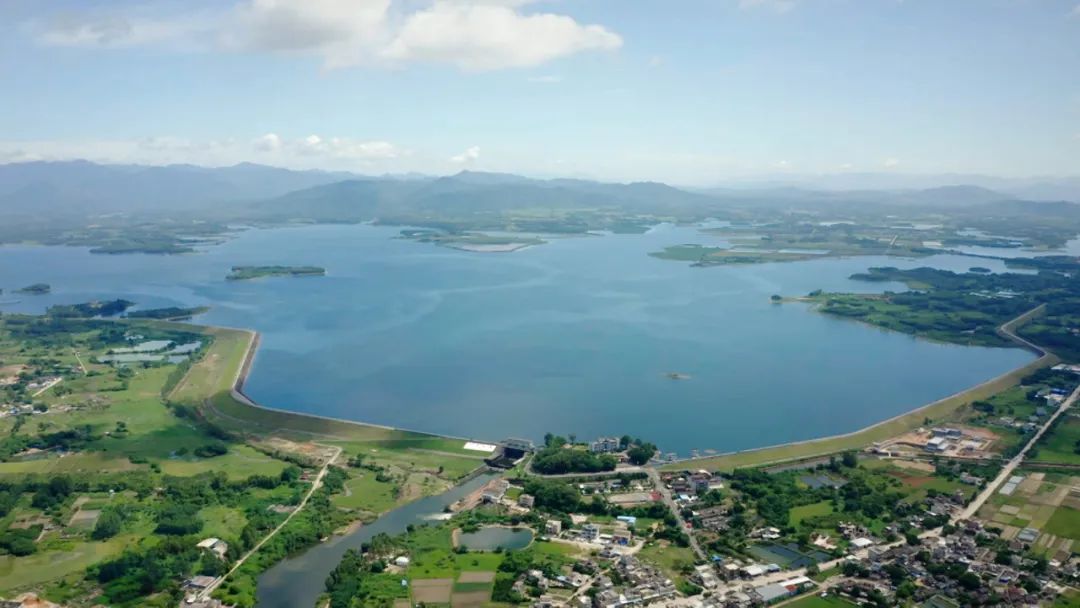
[970, 548]
[640, 585]
[17, 409]
[686, 486]
[719, 596]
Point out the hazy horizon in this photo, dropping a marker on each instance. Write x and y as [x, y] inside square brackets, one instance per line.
[712, 92]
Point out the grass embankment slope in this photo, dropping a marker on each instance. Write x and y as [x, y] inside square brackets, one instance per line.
[212, 384]
[942, 409]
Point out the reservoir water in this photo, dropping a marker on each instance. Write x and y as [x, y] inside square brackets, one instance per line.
[575, 336]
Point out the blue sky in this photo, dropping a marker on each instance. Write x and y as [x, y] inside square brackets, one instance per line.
[685, 91]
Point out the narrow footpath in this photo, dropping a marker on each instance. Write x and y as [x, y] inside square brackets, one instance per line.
[315, 484]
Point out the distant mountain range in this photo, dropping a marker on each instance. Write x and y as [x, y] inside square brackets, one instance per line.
[1049, 188]
[258, 192]
[82, 187]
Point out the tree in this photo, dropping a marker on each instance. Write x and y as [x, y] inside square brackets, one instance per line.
[553, 495]
[108, 524]
[849, 459]
[641, 453]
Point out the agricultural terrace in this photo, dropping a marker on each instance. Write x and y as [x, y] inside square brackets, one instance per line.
[1042, 508]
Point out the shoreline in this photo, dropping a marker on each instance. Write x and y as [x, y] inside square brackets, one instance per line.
[254, 340]
[741, 458]
[1044, 359]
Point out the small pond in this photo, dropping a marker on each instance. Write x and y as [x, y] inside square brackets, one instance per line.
[491, 538]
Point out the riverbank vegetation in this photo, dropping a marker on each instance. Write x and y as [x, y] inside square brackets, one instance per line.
[435, 572]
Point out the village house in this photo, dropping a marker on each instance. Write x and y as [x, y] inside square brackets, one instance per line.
[604, 445]
[214, 545]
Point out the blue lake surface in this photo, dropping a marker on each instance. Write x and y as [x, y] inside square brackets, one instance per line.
[575, 336]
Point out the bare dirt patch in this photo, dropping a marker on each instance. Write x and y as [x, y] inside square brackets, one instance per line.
[84, 518]
[476, 577]
[307, 450]
[432, 590]
[9, 374]
[1030, 485]
[915, 465]
[915, 481]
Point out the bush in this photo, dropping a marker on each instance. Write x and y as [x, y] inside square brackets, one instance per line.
[211, 450]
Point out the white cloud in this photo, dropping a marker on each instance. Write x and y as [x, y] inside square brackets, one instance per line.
[344, 148]
[466, 157]
[546, 79]
[782, 165]
[469, 34]
[1076, 11]
[270, 142]
[891, 163]
[488, 37]
[655, 61]
[846, 167]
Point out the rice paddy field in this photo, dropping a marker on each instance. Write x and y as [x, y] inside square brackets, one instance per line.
[1045, 504]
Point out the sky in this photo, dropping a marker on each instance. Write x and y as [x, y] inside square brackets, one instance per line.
[683, 91]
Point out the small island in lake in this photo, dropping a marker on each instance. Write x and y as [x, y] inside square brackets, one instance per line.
[244, 273]
[473, 241]
[677, 376]
[35, 289]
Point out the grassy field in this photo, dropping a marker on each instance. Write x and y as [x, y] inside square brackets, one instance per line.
[363, 492]
[1065, 522]
[668, 557]
[221, 521]
[45, 566]
[1059, 445]
[798, 514]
